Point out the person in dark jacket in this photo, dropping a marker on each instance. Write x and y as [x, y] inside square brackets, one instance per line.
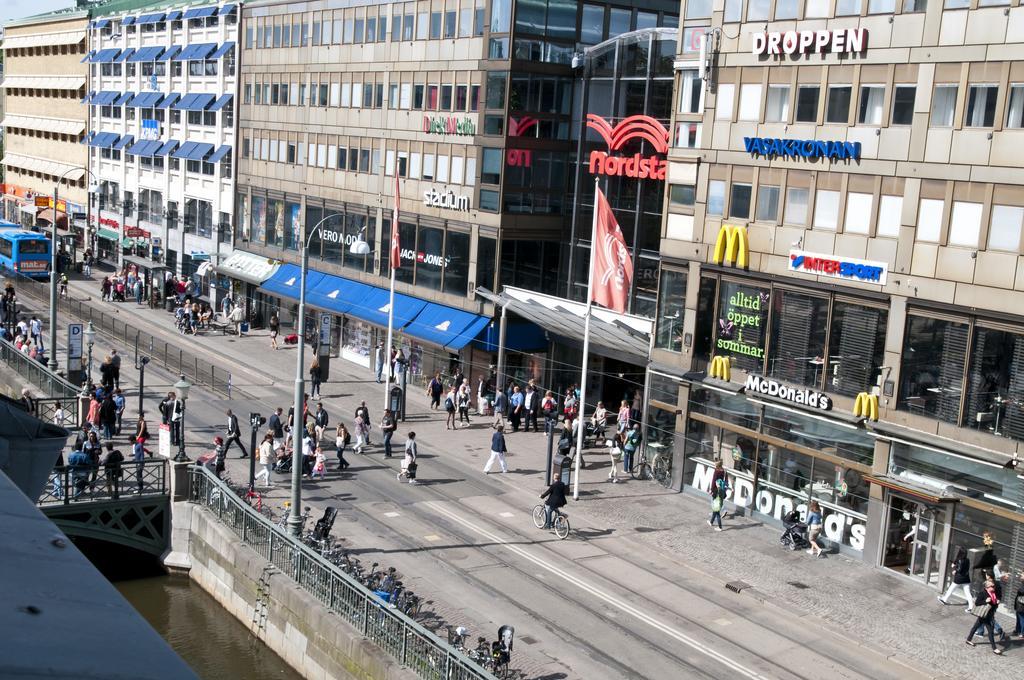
[315, 377]
[275, 424]
[498, 450]
[961, 568]
[555, 496]
[234, 435]
[1018, 607]
[108, 416]
[320, 420]
[989, 597]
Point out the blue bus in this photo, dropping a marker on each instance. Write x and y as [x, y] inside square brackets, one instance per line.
[24, 252]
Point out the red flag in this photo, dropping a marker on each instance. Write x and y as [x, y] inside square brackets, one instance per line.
[613, 267]
[396, 249]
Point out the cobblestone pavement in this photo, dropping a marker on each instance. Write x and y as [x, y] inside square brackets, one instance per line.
[864, 607]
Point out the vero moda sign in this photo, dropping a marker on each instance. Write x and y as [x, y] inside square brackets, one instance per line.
[636, 166]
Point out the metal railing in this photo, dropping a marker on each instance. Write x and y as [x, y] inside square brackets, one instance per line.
[45, 408]
[171, 357]
[88, 483]
[415, 647]
[35, 372]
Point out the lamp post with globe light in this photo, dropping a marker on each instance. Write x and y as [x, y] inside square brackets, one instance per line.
[181, 389]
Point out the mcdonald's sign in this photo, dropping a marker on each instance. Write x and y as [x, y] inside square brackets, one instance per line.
[866, 406]
[732, 246]
[720, 368]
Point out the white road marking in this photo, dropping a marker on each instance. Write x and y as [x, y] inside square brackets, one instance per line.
[392, 514]
[723, 622]
[506, 514]
[432, 537]
[594, 590]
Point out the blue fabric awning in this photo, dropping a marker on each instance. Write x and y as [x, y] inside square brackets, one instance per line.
[87, 138]
[227, 9]
[374, 308]
[193, 151]
[124, 98]
[199, 51]
[224, 150]
[144, 148]
[176, 14]
[87, 97]
[285, 281]
[221, 102]
[124, 55]
[101, 23]
[104, 98]
[336, 294]
[167, 147]
[222, 50]
[127, 20]
[124, 141]
[168, 53]
[200, 12]
[104, 56]
[104, 140]
[87, 57]
[168, 100]
[150, 18]
[146, 100]
[194, 102]
[146, 54]
[442, 325]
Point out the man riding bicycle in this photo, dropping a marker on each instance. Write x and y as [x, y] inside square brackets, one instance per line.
[555, 496]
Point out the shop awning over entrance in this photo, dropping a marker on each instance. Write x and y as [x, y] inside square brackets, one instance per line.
[374, 308]
[446, 326]
[338, 295]
[625, 335]
[107, 234]
[923, 492]
[143, 263]
[286, 280]
[248, 267]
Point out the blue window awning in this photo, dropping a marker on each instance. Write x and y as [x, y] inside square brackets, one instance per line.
[124, 98]
[169, 52]
[146, 100]
[221, 102]
[200, 12]
[104, 56]
[227, 9]
[87, 57]
[374, 308]
[124, 141]
[166, 147]
[146, 54]
[199, 51]
[101, 23]
[124, 55]
[172, 16]
[184, 150]
[336, 294]
[224, 150]
[200, 151]
[442, 325]
[87, 138]
[145, 148]
[104, 98]
[150, 18]
[127, 20]
[168, 100]
[222, 50]
[104, 140]
[285, 281]
[194, 102]
[87, 97]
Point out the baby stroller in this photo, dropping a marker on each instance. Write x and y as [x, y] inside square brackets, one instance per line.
[795, 535]
[322, 530]
[283, 465]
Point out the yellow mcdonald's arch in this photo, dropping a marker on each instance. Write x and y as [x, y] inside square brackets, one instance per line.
[866, 406]
[720, 368]
[732, 246]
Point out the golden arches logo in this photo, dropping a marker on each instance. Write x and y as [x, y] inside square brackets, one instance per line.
[866, 406]
[721, 368]
[732, 246]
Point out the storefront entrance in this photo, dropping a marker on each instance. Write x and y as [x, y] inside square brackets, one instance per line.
[916, 538]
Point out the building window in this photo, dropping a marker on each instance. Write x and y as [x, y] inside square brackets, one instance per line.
[681, 195]
[757, 10]
[740, 329]
[796, 205]
[903, 104]
[943, 105]
[671, 306]
[912, 6]
[931, 374]
[750, 102]
[724, 102]
[981, 105]
[890, 211]
[847, 7]
[807, 103]
[965, 224]
[690, 89]
[739, 201]
[1015, 111]
[767, 203]
[695, 9]
[871, 97]
[858, 213]
[837, 108]
[776, 108]
[716, 197]
[733, 11]
[826, 209]
[786, 9]
[1005, 228]
[929, 220]
[797, 346]
[856, 348]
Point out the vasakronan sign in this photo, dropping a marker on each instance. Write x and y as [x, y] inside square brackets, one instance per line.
[773, 147]
[636, 166]
[432, 198]
[798, 395]
[840, 527]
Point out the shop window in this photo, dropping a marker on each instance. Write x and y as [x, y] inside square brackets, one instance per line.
[995, 382]
[456, 263]
[981, 105]
[826, 210]
[931, 375]
[786, 9]
[871, 97]
[750, 102]
[486, 256]
[858, 213]
[796, 205]
[837, 108]
[965, 224]
[797, 347]
[903, 104]
[681, 195]
[716, 197]
[966, 475]
[1005, 228]
[741, 325]
[776, 108]
[1015, 111]
[724, 102]
[929, 220]
[807, 103]
[943, 105]
[671, 306]
[767, 203]
[856, 347]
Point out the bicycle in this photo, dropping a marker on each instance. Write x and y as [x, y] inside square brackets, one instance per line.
[560, 523]
[658, 468]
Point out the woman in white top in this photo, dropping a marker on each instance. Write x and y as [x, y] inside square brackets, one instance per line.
[409, 460]
[266, 454]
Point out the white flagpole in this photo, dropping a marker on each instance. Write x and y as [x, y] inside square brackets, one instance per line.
[391, 307]
[586, 351]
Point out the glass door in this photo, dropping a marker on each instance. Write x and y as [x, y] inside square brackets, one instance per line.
[916, 537]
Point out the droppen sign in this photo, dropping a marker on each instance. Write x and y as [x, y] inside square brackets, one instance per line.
[637, 166]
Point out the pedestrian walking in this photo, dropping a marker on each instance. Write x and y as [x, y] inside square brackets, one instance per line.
[387, 429]
[361, 410]
[615, 454]
[107, 374]
[60, 415]
[141, 428]
[35, 327]
[119, 404]
[549, 407]
[378, 362]
[984, 611]
[409, 463]
[220, 454]
[481, 396]
[570, 407]
[434, 390]
[92, 448]
[111, 461]
[108, 416]
[361, 429]
[531, 407]
[341, 440]
[463, 402]
[234, 435]
[236, 317]
[717, 499]
[63, 285]
[599, 420]
[515, 408]
[315, 376]
[319, 464]
[275, 327]
[500, 408]
[814, 528]
[961, 570]
[115, 367]
[630, 445]
[498, 451]
[622, 419]
[275, 425]
[266, 458]
[139, 457]
[87, 262]
[320, 420]
[449, 407]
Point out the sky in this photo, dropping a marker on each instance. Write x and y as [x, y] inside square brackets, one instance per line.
[16, 9]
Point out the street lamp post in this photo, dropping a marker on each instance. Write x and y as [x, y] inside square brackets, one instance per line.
[53, 264]
[140, 363]
[181, 389]
[89, 334]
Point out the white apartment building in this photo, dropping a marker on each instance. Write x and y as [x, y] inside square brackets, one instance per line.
[161, 97]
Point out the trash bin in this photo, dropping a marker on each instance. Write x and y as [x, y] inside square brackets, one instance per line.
[395, 400]
[244, 327]
[169, 303]
[562, 466]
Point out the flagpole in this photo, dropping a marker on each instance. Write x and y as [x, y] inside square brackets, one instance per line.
[391, 301]
[586, 351]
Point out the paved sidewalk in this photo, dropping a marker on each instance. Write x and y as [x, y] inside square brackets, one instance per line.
[866, 605]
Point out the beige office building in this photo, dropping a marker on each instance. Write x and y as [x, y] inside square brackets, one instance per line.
[44, 119]
[843, 228]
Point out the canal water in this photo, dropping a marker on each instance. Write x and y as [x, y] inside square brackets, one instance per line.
[213, 642]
